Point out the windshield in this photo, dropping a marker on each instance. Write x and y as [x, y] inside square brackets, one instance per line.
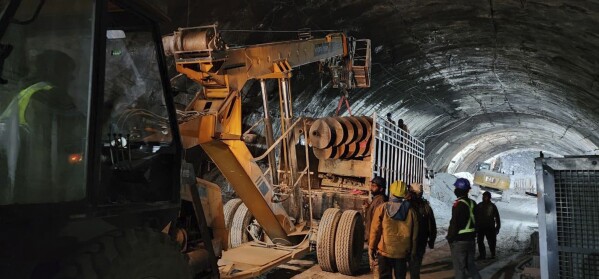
[134, 101]
[45, 60]
[138, 155]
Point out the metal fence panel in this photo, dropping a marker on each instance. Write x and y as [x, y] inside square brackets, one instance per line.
[568, 190]
[397, 155]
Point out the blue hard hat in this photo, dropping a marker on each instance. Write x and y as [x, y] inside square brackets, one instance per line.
[462, 183]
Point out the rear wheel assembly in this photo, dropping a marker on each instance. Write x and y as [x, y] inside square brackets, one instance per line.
[325, 242]
[229, 210]
[349, 242]
[241, 221]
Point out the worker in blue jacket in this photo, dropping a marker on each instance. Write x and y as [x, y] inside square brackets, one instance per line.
[461, 233]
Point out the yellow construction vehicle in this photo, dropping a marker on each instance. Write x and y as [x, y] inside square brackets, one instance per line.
[488, 177]
[276, 216]
[90, 153]
[92, 182]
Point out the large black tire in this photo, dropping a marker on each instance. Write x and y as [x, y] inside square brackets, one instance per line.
[128, 254]
[349, 242]
[325, 241]
[241, 220]
[229, 210]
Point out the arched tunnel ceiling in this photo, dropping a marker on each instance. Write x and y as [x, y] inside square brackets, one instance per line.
[489, 139]
[489, 76]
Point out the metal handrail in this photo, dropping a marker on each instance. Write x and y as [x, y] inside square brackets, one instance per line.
[254, 126]
[274, 144]
[300, 177]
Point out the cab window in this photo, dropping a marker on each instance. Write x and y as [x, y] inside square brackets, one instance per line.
[45, 71]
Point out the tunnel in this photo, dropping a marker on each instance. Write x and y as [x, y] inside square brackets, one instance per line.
[137, 142]
[486, 77]
[473, 80]
[262, 139]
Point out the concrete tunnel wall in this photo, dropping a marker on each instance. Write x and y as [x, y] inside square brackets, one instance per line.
[481, 77]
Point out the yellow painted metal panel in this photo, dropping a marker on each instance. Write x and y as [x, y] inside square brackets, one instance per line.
[232, 160]
[491, 179]
[196, 131]
[250, 260]
[211, 198]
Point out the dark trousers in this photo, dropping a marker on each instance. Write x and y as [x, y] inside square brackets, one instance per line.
[462, 253]
[491, 239]
[389, 267]
[416, 261]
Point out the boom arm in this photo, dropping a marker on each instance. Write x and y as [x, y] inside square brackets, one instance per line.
[233, 67]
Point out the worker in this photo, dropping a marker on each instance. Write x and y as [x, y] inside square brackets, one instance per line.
[48, 80]
[377, 190]
[427, 228]
[461, 232]
[390, 119]
[393, 233]
[40, 122]
[487, 225]
[402, 126]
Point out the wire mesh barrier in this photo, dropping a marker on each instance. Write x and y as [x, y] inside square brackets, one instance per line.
[397, 154]
[569, 190]
[577, 210]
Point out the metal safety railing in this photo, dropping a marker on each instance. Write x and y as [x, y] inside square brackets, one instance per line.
[396, 155]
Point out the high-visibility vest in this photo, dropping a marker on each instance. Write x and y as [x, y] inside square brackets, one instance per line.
[470, 226]
[22, 101]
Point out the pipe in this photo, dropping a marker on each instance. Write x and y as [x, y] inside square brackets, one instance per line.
[269, 134]
[296, 209]
[286, 103]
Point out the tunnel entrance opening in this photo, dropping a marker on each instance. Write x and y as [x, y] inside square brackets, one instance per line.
[518, 216]
[516, 203]
[516, 166]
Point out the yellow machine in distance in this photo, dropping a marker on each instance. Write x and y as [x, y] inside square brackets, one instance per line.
[489, 175]
[491, 179]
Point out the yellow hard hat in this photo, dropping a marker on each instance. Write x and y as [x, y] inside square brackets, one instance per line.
[398, 189]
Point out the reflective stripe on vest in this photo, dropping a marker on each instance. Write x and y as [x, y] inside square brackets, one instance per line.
[469, 227]
[22, 101]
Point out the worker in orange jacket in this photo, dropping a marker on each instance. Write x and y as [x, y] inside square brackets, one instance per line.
[393, 234]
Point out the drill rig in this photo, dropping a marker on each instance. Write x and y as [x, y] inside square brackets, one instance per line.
[310, 193]
[213, 121]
